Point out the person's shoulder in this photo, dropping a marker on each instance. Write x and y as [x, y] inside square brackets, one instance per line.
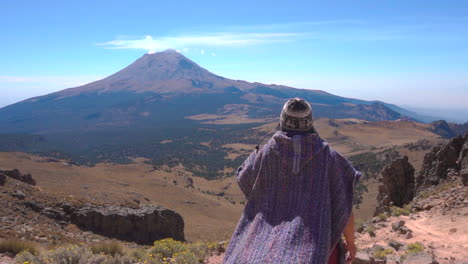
[337, 156]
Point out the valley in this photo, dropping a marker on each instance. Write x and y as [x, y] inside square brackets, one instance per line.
[211, 208]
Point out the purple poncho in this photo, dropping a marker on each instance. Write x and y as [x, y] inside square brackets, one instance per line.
[300, 194]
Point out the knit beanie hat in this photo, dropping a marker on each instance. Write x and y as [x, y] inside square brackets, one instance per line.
[297, 116]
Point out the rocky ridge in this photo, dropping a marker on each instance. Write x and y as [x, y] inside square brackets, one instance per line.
[421, 220]
[32, 214]
[445, 161]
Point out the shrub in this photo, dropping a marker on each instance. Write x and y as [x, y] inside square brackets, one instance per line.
[167, 248]
[71, 254]
[200, 250]
[215, 247]
[155, 259]
[414, 248]
[98, 259]
[27, 257]
[371, 230]
[107, 259]
[185, 257]
[359, 225]
[138, 254]
[113, 248]
[15, 246]
[383, 216]
[397, 211]
[382, 253]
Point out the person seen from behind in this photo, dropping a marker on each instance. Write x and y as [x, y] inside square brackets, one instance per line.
[299, 195]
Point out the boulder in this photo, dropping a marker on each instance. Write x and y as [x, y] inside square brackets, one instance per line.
[397, 185]
[419, 258]
[143, 225]
[189, 182]
[395, 244]
[363, 258]
[397, 225]
[404, 230]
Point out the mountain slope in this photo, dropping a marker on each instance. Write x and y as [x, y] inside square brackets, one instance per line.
[164, 88]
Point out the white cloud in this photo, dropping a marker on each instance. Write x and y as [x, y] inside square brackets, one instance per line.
[212, 40]
[202, 52]
[213, 54]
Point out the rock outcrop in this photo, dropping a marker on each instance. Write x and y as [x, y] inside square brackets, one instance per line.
[143, 225]
[397, 186]
[15, 174]
[30, 213]
[441, 161]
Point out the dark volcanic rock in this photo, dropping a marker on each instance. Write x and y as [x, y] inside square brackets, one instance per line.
[442, 128]
[397, 186]
[395, 244]
[438, 162]
[464, 176]
[463, 160]
[2, 179]
[397, 225]
[15, 174]
[144, 225]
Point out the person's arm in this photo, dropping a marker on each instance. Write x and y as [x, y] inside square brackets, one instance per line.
[349, 236]
[247, 173]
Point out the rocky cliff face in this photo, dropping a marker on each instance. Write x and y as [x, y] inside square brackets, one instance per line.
[444, 161]
[397, 186]
[32, 214]
[144, 225]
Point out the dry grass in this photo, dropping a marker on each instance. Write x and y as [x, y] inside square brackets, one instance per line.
[111, 248]
[166, 251]
[206, 216]
[227, 119]
[414, 248]
[15, 246]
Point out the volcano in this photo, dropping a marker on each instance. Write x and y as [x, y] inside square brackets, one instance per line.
[167, 87]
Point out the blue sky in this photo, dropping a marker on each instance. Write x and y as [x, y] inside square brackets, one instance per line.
[411, 53]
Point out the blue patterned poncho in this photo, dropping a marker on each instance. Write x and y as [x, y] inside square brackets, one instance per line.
[300, 194]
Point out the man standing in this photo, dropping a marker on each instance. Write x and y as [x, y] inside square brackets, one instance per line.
[299, 197]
